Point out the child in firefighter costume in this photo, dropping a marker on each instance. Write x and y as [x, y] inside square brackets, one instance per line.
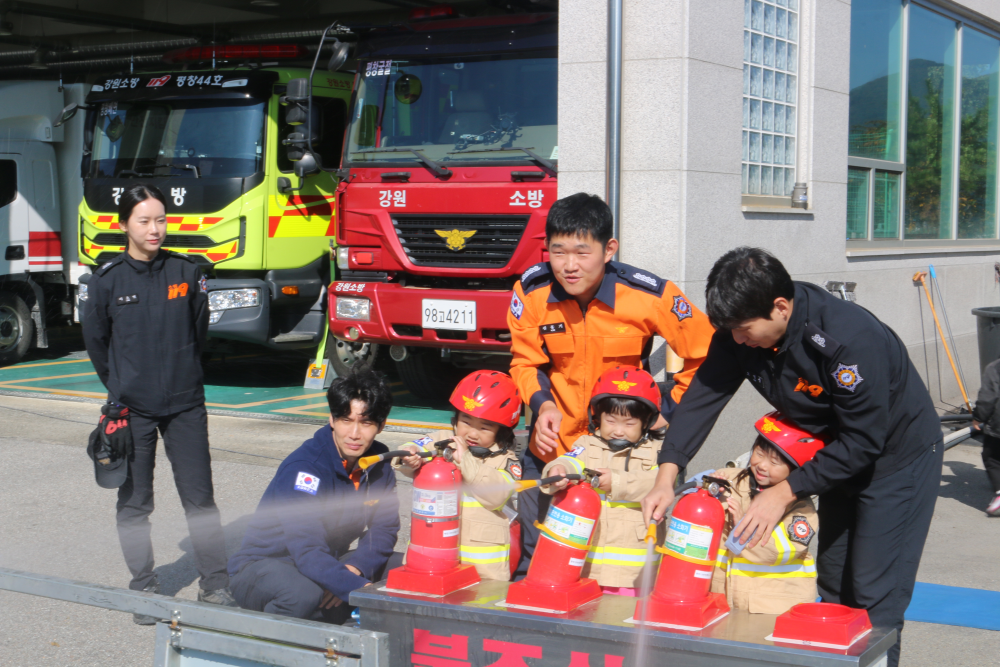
[779, 572]
[487, 408]
[624, 405]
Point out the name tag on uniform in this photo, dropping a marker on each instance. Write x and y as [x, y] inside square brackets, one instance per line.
[129, 298]
[546, 329]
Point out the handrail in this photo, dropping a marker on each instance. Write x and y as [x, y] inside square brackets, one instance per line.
[368, 646]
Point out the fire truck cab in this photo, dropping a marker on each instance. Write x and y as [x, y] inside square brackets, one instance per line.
[448, 171]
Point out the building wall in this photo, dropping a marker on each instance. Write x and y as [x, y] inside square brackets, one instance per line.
[681, 197]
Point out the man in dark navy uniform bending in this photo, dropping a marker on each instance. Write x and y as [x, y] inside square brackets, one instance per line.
[831, 367]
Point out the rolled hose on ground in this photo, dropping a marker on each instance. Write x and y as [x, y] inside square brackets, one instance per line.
[956, 418]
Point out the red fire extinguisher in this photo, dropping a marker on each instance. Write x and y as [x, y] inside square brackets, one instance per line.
[553, 580]
[681, 597]
[432, 558]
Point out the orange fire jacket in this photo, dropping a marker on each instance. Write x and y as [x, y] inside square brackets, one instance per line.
[559, 351]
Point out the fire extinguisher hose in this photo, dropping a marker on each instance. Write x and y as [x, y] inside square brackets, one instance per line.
[524, 484]
[367, 461]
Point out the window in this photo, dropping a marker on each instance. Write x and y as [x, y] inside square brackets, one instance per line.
[213, 138]
[770, 92]
[922, 145]
[329, 118]
[8, 182]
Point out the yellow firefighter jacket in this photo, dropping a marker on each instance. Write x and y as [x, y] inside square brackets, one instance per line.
[617, 550]
[779, 572]
[484, 537]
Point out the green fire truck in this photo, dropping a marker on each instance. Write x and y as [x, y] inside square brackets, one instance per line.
[216, 142]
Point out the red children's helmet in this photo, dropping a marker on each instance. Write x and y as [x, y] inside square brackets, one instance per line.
[627, 382]
[798, 446]
[489, 395]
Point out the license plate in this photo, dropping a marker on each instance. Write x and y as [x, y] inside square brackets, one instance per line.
[444, 314]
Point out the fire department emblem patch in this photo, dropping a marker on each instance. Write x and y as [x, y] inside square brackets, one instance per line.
[681, 309]
[848, 377]
[203, 284]
[514, 469]
[800, 531]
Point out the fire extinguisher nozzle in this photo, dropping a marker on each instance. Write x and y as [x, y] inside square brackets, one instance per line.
[651, 532]
[525, 484]
[367, 461]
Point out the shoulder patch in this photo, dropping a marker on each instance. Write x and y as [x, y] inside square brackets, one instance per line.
[513, 468]
[516, 306]
[203, 283]
[640, 279]
[800, 531]
[681, 308]
[307, 483]
[535, 277]
[576, 451]
[820, 340]
[848, 377]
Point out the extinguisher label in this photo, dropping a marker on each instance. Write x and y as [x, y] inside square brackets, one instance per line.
[576, 562]
[576, 529]
[435, 503]
[688, 539]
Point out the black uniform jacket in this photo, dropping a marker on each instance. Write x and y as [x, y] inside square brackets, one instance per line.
[145, 325]
[838, 369]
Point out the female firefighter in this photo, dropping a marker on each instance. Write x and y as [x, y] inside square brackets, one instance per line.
[487, 408]
[145, 324]
[624, 406]
[779, 572]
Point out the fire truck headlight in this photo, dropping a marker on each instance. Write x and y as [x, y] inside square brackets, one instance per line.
[342, 258]
[349, 308]
[227, 299]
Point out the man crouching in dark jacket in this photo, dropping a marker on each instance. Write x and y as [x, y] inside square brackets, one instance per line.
[295, 558]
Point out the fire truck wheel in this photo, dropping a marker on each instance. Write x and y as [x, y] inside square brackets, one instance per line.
[17, 330]
[344, 356]
[425, 375]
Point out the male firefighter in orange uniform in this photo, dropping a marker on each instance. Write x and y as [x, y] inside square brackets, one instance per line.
[577, 315]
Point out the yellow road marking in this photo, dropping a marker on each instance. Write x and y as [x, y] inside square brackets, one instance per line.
[47, 363]
[271, 400]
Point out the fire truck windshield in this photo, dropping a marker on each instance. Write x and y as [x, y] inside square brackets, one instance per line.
[187, 137]
[454, 111]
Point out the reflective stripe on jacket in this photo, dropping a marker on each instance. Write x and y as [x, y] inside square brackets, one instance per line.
[776, 574]
[617, 550]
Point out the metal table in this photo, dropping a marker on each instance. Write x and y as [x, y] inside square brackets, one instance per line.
[467, 628]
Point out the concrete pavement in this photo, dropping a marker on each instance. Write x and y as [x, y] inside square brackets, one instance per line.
[57, 521]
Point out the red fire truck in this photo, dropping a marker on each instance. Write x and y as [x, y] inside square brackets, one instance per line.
[448, 171]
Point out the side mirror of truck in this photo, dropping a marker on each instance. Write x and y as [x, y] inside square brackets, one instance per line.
[307, 164]
[339, 56]
[67, 113]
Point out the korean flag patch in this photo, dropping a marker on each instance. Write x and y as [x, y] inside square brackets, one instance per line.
[681, 309]
[848, 377]
[307, 483]
[576, 451]
[800, 531]
[516, 307]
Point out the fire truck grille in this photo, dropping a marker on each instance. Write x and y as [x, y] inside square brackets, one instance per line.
[472, 241]
[173, 240]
